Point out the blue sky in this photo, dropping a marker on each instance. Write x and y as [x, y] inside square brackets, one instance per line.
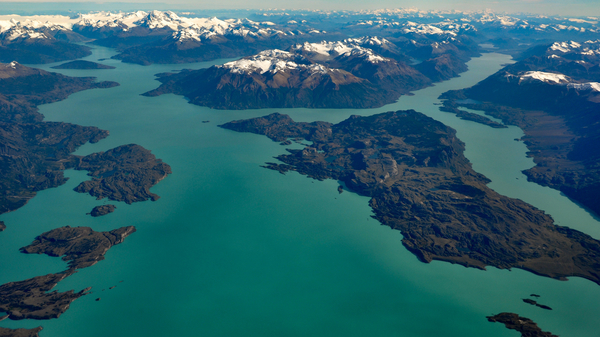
[561, 7]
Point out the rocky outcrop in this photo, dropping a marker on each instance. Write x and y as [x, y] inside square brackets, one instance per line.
[420, 183]
[525, 326]
[102, 210]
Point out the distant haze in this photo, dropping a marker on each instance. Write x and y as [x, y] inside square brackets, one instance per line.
[550, 7]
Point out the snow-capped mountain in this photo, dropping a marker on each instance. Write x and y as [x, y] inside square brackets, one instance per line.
[327, 51]
[324, 74]
[28, 29]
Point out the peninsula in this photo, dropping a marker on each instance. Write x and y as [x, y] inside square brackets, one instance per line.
[553, 95]
[81, 64]
[81, 247]
[420, 183]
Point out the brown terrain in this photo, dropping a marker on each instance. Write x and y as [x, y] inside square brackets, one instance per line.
[81, 247]
[561, 124]
[525, 326]
[102, 210]
[420, 183]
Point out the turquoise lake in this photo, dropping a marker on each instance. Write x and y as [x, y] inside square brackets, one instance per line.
[233, 249]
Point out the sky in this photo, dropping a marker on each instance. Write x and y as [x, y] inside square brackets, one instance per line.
[551, 7]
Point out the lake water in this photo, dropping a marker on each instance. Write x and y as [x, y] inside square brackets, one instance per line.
[233, 249]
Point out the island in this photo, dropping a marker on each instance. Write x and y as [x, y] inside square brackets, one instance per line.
[81, 247]
[82, 64]
[420, 183]
[124, 173]
[102, 210]
[525, 326]
[532, 302]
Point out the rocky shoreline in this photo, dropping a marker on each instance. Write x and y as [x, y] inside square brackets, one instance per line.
[35, 154]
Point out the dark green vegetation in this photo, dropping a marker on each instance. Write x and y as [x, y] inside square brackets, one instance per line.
[560, 121]
[81, 64]
[525, 326]
[81, 247]
[420, 183]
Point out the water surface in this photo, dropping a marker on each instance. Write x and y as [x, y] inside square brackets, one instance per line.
[231, 248]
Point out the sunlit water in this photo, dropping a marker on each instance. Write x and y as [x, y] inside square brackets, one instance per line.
[233, 249]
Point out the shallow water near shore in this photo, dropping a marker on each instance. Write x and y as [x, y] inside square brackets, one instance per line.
[231, 248]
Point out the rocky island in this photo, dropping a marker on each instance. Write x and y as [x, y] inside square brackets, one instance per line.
[525, 326]
[124, 173]
[102, 210]
[553, 95]
[420, 183]
[81, 247]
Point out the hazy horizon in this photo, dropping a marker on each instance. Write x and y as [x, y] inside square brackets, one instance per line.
[583, 8]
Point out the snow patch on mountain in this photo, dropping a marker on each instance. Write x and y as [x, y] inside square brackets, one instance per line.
[274, 61]
[346, 48]
[545, 77]
[269, 60]
[595, 86]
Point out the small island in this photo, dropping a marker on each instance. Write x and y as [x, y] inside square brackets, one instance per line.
[102, 210]
[420, 183]
[81, 64]
[532, 302]
[525, 326]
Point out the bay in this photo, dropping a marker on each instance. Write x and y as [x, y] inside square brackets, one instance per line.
[235, 249]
